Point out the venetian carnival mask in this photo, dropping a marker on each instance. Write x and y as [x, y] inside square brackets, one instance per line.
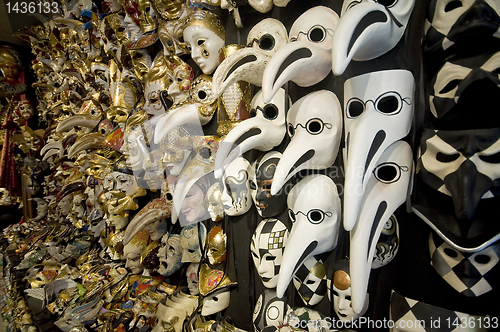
[156, 81]
[368, 29]
[135, 147]
[267, 246]
[310, 281]
[182, 76]
[176, 148]
[376, 115]
[215, 288]
[192, 278]
[314, 208]
[132, 252]
[192, 239]
[264, 130]
[194, 207]
[457, 173]
[388, 187]
[123, 94]
[236, 197]
[314, 125]
[306, 59]
[270, 310]
[388, 244]
[170, 34]
[214, 201]
[339, 293]
[216, 251]
[471, 274]
[169, 319]
[170, 254]
[205, 36]
[101, 74]
[264, 168]
[154, 169]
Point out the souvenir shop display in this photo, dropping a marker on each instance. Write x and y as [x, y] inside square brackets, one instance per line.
[251, 166]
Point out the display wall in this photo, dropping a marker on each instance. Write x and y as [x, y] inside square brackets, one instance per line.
[252, 165]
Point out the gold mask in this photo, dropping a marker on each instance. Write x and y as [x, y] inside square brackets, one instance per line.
[216, 246]
[123, 94]
[212, 280]
[148, 23]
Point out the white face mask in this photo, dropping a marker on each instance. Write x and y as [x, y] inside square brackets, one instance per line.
[264, 130]
[314, 208]
[216, 302]
[387, 188]
[170, 255]
[190, 242]
[375, 116]
[169, 319]
[236, 197]
[269, 310]
[192, 278]
[306, 59]
[205, 45]
[248, 64]
[314, 124]
[368, 29]
[267, 245]
[388, 244]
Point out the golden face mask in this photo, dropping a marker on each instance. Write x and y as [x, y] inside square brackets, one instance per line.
[212, 280]
[215, 207]
[123, 94]
[146, 19]
[216, 246]
[141, 62]
[169, 9]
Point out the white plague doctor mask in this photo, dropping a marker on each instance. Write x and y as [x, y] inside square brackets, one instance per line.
[368, 29]
[386, 190]
[264, 130]
[314, 124]
[314, 208]
[378, 110]
[306, 60]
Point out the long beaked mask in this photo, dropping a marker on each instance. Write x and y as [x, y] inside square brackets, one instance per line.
[306, 59]
[264, 130]
[368, 29]
[315, 209]
[314, 125]
[248, 64]
[386, 190]
[378, 111]
[470, 274]
[310, 281]
[236, 197]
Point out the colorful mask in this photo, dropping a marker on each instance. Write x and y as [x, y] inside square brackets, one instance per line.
[315, 128]
[248, 64]
[376, 115]
[192, 278]
[191, 240]
[157, 80]
[265, 129]
[388, 244]
[170, 254]
[236, 189]
[469, 274]
[270, 310]
[205, 36]
[368, 29]
[387, 188]
[310, 281]
[307, 58]
[214, 286]
[216, 252]
[267, 246]
[314, 208]
[267, 205]
[182, 77]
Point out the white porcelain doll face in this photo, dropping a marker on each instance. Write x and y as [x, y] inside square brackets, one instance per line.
[153, 105]
[267, 246]
[192, 278]
[236, 196]
[216, 302]
[133, 255]
[126, 183]
[170, 255]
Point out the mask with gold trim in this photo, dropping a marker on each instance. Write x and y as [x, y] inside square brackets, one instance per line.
[132, 252]
[123, 94]
[214, 201]
[190, 242]
[141, 60]
[215, 287]
[169, 319]
[147, 17]
[216, 253]
[310, 281]
[171, 35]
[170, 254]
[158, 79]
[182, 76]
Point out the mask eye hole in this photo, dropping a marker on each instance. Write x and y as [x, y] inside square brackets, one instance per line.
[317, 34]
[388, 104]
[205, 153]
[482, 259]
[450, 86]
[315, 126]
[270, 111]
[387, 3]
[315, 216]
[493, 159]
[291, 130]
[291, 215]
[450, 252]
[355, 108]
[389, 172]
[253, 113]
[266, 42]
[252, 185]
[452, 5]
[202, 95]
[446, 158]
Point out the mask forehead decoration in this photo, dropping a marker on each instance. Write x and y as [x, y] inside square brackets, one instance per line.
[192, 236]
[368, 29]
[314, 208]
[170, 254]
[248, 64]
[306, 60]
[471, 274]
[375, 115]
[270, 310]
[264, 169]
[213, 280]
[310, 281]
[314, 124]
[388, 244]
[216, 246]
[264, 130]
[267, 246]
[235, 196]
[387, 188]
[454, 28]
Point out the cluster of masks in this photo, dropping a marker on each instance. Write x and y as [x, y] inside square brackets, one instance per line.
[158, 135]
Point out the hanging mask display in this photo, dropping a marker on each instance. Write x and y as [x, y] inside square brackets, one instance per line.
[264, 130]
[469, 27]
[205, 36]
[471, 274]
[314, 208]
[310, 281]
[339, 293]
[387, 188]
[388, 244]
[170, 255]
[267, 246]
[314, 124]
[263, 169]
[216, 251]
[307, 58]
[270, 310]
[459, 173]
[248, 64]
[368, 29]
[192, 237]
[235, 195]
[376, 115]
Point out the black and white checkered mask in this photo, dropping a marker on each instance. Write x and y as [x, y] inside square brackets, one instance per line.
[471, 274]
[310, 281]
[269, 310]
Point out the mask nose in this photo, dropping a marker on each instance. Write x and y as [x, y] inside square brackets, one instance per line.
[475, 18]
[343, 303]
[467, 273]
